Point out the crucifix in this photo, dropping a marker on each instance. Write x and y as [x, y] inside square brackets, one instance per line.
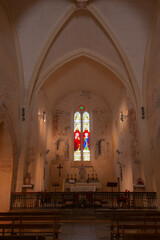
[59, 167]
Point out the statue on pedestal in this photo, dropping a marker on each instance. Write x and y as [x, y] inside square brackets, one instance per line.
[27, 179]
[82, 174]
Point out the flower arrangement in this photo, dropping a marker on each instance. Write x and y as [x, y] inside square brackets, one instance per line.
[139, 181]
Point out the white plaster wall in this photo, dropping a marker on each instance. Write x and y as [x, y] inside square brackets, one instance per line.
[126, 165]
[152, 91]
[38, 173]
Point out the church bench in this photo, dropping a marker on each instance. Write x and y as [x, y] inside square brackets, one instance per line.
[126, 231]
[22, 238]
[136, 219]
[141, 236]
[128, 214]
[21, 219]
[28, 222]
[113, 216]
[32, 229]
[129, 220]
[136, 213]
[30, 216]
[31, 213]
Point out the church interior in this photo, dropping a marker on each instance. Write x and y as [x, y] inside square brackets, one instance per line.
[80, 108]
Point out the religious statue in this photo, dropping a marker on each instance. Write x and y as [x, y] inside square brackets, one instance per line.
[82, 174]
[27, 179]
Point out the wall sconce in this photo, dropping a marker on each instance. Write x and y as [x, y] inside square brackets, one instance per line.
[43, 116]
[47, 151]
[142, 113]
[118, 152]
[123, 117]
[23, 114]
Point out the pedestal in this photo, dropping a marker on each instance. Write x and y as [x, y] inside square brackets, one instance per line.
[139, 187]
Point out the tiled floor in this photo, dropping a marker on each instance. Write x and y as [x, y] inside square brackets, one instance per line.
[84, 231]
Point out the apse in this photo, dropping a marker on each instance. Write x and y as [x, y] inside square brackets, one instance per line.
[82, 82]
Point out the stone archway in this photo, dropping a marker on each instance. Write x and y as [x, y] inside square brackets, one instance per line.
[6, 166]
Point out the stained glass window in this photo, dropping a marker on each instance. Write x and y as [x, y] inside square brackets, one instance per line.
[77, 136]
[81, 136]
[86, 137]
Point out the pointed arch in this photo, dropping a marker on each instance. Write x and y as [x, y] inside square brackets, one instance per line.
[36, 75]
[90, 55]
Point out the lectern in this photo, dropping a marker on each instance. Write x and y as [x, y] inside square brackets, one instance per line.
[55, 184]
[112, 184]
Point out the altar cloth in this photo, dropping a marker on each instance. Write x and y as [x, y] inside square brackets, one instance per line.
[82, 188]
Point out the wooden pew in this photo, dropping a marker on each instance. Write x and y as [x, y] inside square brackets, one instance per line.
[140, 231]
[128, 226]
[134, 214]
[143, 220]
[141, 236]
[22, 238]
[31, 213]
[48, 227]
[33, 223]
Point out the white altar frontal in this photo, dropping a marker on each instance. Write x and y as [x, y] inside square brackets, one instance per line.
[82, 187]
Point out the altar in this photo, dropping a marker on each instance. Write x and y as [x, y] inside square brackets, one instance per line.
[82, 187]
[83, 183]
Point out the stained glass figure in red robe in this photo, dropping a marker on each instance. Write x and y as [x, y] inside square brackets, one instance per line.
[77, 140]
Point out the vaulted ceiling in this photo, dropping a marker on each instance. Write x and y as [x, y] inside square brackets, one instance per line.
[100, 48]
